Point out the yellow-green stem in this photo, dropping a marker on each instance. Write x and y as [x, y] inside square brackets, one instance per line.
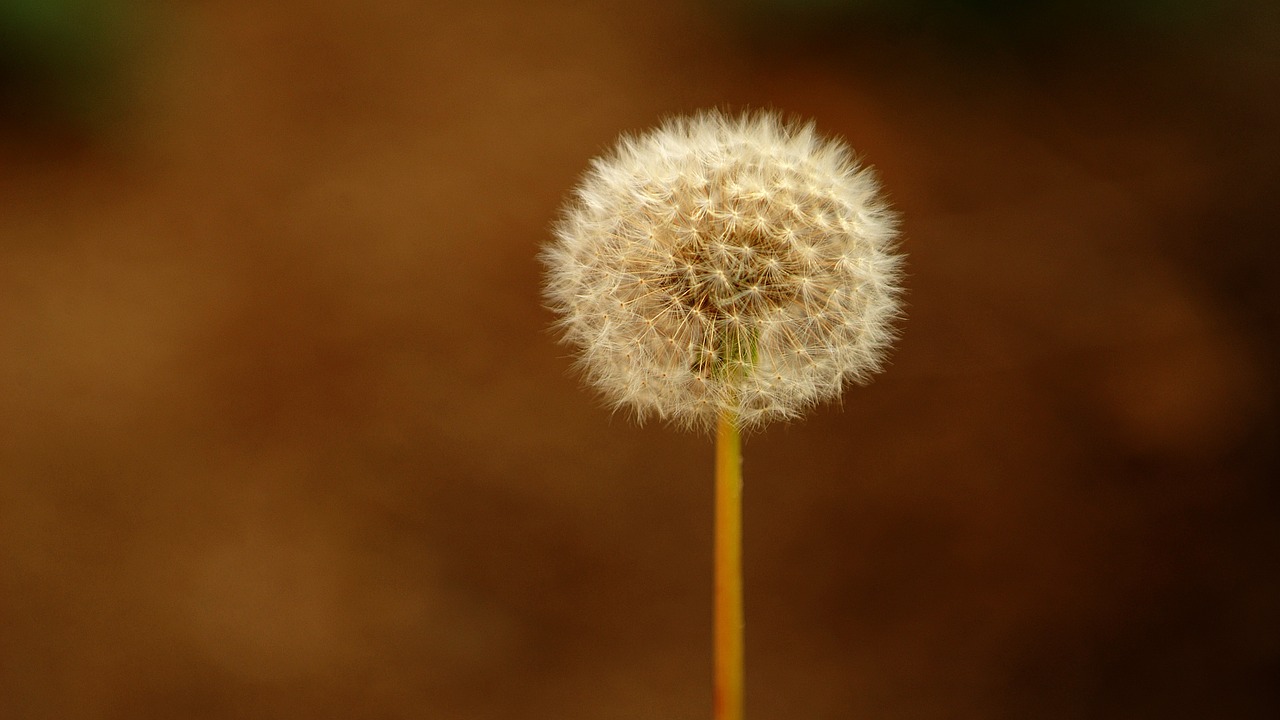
[728, 617]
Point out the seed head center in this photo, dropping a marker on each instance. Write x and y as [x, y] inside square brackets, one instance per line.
[731, 277]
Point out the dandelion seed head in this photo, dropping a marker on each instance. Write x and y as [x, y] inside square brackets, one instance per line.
[725, 264]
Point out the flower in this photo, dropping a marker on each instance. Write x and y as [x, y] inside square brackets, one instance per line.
[721, 264]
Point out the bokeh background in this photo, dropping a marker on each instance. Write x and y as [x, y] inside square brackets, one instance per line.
[283, 433]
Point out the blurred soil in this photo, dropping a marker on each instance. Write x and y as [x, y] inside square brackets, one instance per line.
[283, 433]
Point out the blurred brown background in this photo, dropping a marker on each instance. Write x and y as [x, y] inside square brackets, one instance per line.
[283, 434]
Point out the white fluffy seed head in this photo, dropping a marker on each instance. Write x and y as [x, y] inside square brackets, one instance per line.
[725, 264]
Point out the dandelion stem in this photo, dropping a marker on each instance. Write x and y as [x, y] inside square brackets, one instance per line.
[728, 617]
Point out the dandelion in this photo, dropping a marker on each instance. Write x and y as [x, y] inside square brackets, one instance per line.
[725, 264]
[725, 272]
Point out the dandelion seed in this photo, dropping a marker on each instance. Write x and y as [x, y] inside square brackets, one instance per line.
[745, 241]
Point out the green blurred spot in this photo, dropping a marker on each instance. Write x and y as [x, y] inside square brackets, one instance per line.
[60, 58]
